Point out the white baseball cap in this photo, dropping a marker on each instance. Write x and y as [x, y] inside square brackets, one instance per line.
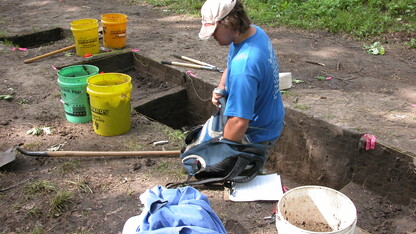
[212, 12]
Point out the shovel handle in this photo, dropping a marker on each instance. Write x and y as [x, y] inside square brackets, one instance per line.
[192, 60]
[189, 65]
[98, 153]
[49, 54]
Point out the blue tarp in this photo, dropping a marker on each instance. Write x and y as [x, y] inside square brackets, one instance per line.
[181, 210]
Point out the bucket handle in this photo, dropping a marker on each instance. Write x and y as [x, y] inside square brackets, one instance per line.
[125, 96]
[69, 102]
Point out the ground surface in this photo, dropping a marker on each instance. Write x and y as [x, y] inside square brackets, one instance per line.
[372, 94]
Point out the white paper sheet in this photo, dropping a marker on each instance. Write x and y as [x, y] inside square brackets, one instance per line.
[261, 188]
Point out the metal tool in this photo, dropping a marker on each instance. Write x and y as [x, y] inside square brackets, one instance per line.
[9, 155]
[197, 64]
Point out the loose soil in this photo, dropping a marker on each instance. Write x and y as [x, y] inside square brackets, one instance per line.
[314, 227]
[367, 93]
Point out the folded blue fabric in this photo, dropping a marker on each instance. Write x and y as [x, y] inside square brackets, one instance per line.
[181, 210]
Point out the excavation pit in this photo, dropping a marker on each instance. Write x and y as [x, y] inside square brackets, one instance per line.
[37, 39]
[310, 150]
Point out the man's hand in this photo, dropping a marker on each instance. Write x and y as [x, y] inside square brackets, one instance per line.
[219, 92]
[216, 95]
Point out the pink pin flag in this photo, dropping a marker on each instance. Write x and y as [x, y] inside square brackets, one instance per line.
[328, 78]
[285, 189]
[370, 141]
[190, 73]
[23, 49]
[135, 50]
[54, 68]
[414, 105]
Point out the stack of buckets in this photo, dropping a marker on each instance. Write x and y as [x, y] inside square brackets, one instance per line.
[85, 32]
[87, 95]
[103, 98]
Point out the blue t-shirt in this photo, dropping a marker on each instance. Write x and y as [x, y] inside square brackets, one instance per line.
[253, 87]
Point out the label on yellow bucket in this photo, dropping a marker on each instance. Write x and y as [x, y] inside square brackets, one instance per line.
[85, 32]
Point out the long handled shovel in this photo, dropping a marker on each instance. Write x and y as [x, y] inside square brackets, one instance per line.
[98, 153]
[196, 63]
[49, 54]
[8, 155]
[190, 65]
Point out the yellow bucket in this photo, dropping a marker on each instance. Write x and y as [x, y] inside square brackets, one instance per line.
[114, 30]
[85, 33]
[110, 103]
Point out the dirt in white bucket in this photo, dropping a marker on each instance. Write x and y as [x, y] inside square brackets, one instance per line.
[314, 223]
[312, 226]
[311, 209]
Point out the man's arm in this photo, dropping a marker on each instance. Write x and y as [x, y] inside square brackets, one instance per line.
[235, 128]
[221, 85]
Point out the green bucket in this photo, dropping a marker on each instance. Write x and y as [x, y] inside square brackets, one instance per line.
[73, 83]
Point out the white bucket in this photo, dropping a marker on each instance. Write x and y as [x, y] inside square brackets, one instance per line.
[315, 209]
[285, 80]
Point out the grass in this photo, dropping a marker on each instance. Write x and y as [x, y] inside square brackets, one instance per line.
[61, 201]
[171, 171]
[361, 19]
[328, 116]
[176, 136]
[67, 167]
[39, 187]
[23, 101]
[411, 44]
[35, 212]
[162, 166]
[133, 145]
[37, 230]
[10, 43]
[183, 6]
[301, 107]
[32, 145]
[82, 185]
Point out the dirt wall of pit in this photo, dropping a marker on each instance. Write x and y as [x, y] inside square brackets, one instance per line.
[310, 150]
[313, 151]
